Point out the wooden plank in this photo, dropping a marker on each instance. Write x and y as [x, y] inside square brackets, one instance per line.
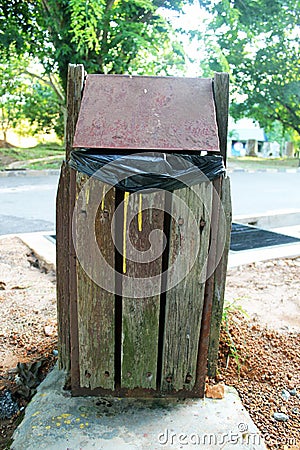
[184, 302]
[221, 95]
[208, 292]
[62, 268]
[64, 207]
[74, 89]
[74, 93]
[220, 278]
[96, 318]
[140, 316]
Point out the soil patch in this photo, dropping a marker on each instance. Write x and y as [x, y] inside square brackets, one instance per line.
[268, 292]
[28, 332]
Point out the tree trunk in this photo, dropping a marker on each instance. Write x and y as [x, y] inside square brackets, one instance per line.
[289, 149]
[252, 147]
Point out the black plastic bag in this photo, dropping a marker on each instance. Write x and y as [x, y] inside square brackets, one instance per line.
[150, 170]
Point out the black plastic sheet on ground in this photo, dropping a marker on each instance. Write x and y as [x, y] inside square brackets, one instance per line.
[152, 170]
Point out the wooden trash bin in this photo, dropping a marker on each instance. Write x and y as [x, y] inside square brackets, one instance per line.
[141, 275]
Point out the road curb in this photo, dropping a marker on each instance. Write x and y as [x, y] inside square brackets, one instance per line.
[241, 170]
[46, 172]
[29, 172]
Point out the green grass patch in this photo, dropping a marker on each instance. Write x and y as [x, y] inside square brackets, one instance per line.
[39, 151]
[44, 165]
[250, 162]
[23, 156]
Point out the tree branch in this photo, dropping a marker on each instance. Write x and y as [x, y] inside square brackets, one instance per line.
[104, 49]
[109, 4]
[285, 122]
[288, 108]
[49, 83]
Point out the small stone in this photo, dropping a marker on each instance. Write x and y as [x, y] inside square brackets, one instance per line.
[8, 407]
[55, 352]
[215, 391]
[280, 417]
[49, 330]
[293, 391]
[285, 394]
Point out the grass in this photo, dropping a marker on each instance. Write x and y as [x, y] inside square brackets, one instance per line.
[251, 162]
[41, 151]
[229, 309]
[43, 165]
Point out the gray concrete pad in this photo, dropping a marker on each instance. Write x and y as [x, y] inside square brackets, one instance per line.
[42, 246]
[241, 258]
[56, 421]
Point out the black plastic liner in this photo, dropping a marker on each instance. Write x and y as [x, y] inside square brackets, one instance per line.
[150, 170]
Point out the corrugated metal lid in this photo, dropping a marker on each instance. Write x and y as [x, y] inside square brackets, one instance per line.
[147, 113]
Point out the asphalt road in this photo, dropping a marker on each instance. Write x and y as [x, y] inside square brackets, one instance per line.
[263, 192]
[28, 203]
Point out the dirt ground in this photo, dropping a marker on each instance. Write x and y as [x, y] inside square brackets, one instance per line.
[259, 354]
[269, 292]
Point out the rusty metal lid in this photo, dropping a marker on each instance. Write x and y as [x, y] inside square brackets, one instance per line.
[147, 113]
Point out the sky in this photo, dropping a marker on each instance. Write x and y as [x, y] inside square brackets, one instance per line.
[192, 18]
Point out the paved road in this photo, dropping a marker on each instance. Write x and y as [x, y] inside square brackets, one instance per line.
[28, 203]
[263, 192]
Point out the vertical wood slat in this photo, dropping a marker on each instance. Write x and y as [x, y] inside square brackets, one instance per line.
[184, 301]
[74, 91]
[220, 278]
[209, 291]
[95, 304]
[221, 97]
[140, 316]
[65, 257]
[62, 268]
[75, 82]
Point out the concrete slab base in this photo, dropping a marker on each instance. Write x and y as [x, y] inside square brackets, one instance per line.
[56, 421]
[43, 248]
[236, 259]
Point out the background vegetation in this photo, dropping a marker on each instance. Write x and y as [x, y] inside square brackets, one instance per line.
[256, 41]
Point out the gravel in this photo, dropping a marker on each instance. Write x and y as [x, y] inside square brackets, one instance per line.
[263, 365]
[280, 417]
[285, 394]
[8, 406]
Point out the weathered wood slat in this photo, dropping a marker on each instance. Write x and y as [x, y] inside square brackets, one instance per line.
[62, 268]
[184, 302]
[220, 277]
[209, 291]
[221, 95]
[74, 93]
[65, 256]
[140, 315]
[95, 305]
[74, 90]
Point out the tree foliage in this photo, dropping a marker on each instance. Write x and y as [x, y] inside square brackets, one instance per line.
[107, 36]
[25, 95]
[258, 42]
